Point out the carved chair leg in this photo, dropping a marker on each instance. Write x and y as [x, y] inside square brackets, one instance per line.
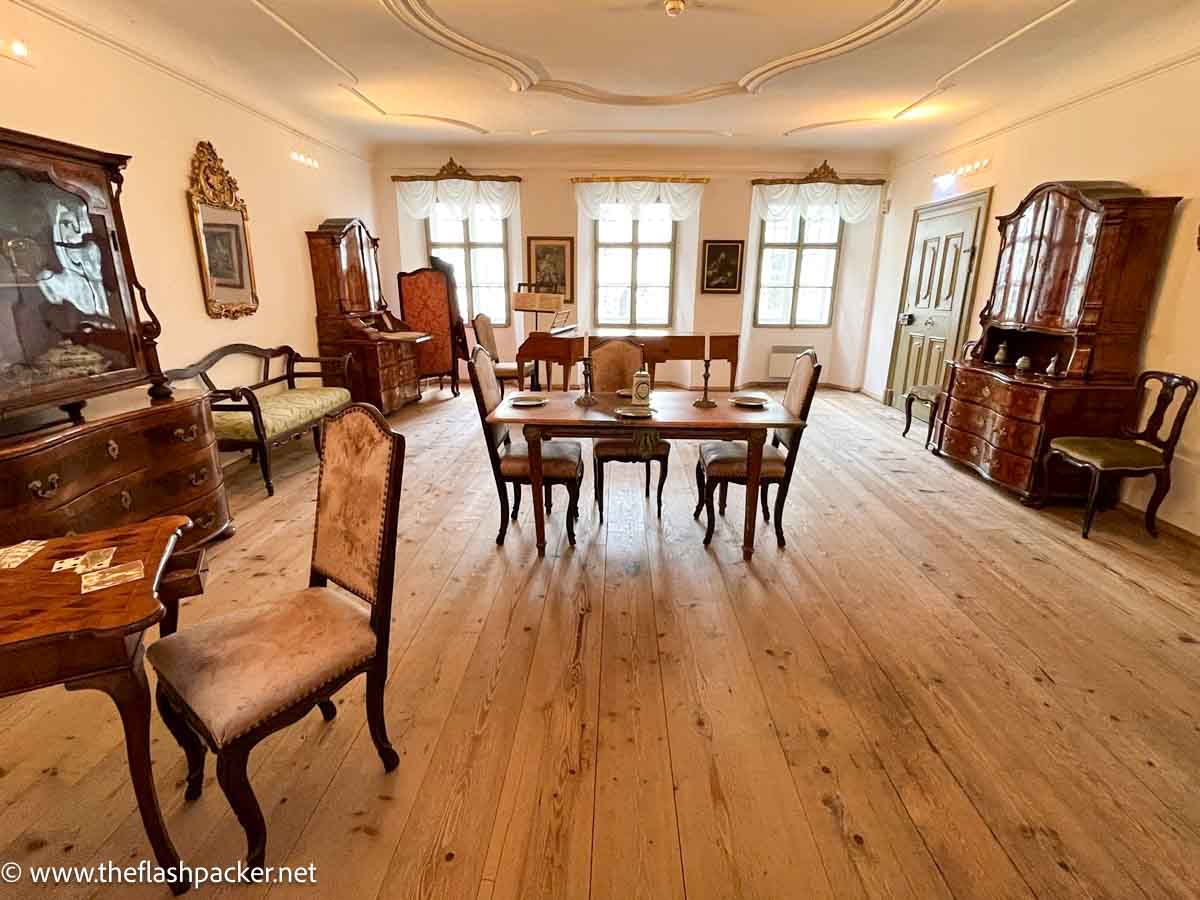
[516, 510]
[709, 490]
[724, 496]
[1093, 498]
[764, 489]
[647, 479]
[549, 499]
[264, 463]
[908, 402]
[662, 481]
[191, 743]
[1162, 484]
[780, 500]
[572, 506]
[231, 775]
[454, 379]
[503, 492]
[933, 411]
[598, 478]
[699, 489]
[376, 679]
[328, 709]
[579, 493]
[1043, 494]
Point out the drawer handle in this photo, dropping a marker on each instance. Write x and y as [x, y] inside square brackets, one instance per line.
[987, 391]
[974, 451]
[114, 449]
[187, 435]
[206, 521]
[45, 493]
[198, 477]
[126, 501]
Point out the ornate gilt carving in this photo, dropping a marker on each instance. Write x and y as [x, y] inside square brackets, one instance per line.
[211, 181]
[452, 171]
[212, 187]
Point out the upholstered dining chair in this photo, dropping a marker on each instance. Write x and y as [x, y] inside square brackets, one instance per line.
[613, 365]
[485, 337]
[724, 462]
[1137, 453]
[562, 461]
[227, 683]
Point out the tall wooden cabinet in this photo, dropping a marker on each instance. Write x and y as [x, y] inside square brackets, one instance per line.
[352, 317]
[1078, 267]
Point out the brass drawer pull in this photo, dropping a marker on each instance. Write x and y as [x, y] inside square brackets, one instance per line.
[114, 449]
[206, 521]
[187, 435]
[45, 493]
[198, 477]
[126, 501]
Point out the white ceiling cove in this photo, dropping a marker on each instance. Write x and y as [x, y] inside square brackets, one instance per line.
[851, 73]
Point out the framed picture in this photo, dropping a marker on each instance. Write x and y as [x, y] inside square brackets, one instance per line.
[226, 263]
[722, 273]
[550, 262]
[221, 227]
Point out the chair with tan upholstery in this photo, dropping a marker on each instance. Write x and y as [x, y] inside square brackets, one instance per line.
[485, 337]
[614, 363]
[723, 463]
[1137, 454]
[562, 461]
[229, 682]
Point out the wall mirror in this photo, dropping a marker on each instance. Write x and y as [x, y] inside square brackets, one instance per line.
[221, 227]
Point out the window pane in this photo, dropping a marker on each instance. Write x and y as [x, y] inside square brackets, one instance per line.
[812, 305]
[786, 231]
[443, 228]
[490, 302]
[774, 305]
[487, 267]
[654, 267]
[654, 224]
[653, 305]
[821, 225]
[486, 225]
[817, 267]
[778, 268]
[615, 225]
[612, 307]
[614, 265]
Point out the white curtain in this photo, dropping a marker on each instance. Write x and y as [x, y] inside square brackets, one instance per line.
[854, 202]
[417, 198]
[682, 198]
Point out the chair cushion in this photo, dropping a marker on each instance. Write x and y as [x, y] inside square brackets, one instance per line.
[615, 448]
[727, 459]
[236, 671]
[507, 370]
[1109, 453]
[926, 393]
[560, 459]
[282, 412]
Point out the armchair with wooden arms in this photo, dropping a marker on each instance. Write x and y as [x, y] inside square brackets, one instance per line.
[429, 303]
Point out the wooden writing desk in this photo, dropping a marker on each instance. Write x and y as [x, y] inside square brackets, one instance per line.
[52, 634]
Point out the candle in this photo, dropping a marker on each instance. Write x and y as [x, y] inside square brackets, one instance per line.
[707, 347]
[587, 345]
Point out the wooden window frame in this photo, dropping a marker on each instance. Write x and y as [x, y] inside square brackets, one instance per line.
[799, 246]
[634, 245]
[467, 245]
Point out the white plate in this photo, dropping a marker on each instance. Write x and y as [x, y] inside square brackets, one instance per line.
[635, 412]
[530, 400]
[749, 400]
[625, 392]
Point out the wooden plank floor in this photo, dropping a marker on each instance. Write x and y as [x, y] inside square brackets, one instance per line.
[933, 692]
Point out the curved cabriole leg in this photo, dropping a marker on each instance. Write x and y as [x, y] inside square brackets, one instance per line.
[572, 506]
[1093, 498]
[933, 412]
[1043, 495]
[662, 481]
[762, 496]
[516, 510]
[192, 744]
[724, 496]
[908, 402]
[264, 463]
[231, 775]
[780, 499]
[328, 709]
[503, 491]
[709, 490]
[1162, 484]
[699, 489]
[376, 678]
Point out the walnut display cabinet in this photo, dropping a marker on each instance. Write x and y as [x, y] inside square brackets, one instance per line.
[1061, 333]
[352, 317]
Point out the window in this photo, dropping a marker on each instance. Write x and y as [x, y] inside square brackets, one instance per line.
[635, 266]
[797, 269]
[477, 249]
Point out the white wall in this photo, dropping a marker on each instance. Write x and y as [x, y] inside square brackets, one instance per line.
[82, 91]
[1142, 132]
[548, 208]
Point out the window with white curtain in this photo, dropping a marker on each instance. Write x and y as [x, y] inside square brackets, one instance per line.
[477, 249]
[634, 266]
[797, 268]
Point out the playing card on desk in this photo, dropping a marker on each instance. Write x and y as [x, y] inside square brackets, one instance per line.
[88, 562]
[106, 578]
[11, 557]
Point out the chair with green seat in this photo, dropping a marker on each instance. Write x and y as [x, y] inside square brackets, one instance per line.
[1136, 454]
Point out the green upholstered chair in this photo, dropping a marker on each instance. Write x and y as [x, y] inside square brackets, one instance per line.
[1137, 453]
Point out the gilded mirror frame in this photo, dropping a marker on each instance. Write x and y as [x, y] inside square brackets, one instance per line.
[213, 186]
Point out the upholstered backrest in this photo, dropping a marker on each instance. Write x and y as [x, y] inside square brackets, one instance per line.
[614, 363]
[486, 386]
[358, 492]
[485, 335]
[801, 386]
[428, 302]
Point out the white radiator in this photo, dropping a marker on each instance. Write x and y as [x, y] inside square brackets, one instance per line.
[779, 363]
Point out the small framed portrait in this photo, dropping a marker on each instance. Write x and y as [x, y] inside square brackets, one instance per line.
[226, 263]
[550, 264]
[722, 261]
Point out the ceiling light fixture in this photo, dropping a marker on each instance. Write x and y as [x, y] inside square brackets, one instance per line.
[674, 8]
[16, 50]
[299, 157]
[959, 171]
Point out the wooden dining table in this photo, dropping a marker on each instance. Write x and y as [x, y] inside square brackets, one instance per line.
[674, 418]
[51, 632]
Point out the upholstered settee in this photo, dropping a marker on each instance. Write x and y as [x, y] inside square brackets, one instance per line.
[244, 419]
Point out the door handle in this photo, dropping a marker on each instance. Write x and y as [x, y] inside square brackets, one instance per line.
[907, 318]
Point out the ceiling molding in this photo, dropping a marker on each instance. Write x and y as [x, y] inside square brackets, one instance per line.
[439, 120]
[532, 76]
[678, 132]
[833, 124]
[92, 33]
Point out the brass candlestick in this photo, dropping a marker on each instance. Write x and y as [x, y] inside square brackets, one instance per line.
[704, 402]
[586, 399]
